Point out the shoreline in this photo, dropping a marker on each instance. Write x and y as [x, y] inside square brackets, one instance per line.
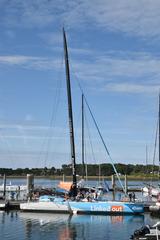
[69, 178]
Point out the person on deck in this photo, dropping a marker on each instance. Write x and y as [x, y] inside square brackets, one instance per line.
[73, 192]
[133, 197]
[130, 196]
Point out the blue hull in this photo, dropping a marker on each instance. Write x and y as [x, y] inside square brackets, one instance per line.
[107, 207]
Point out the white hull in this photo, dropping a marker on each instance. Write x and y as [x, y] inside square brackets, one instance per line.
[83, 207]
[45, 206]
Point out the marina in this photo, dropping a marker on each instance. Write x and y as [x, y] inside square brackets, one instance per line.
[51, 184]
[76, 200]
[80, 120]
[72, 225]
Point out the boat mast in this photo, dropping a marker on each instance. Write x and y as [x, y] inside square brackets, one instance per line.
[83, 165]
[146, 159]
[159, 129]
[70, 114]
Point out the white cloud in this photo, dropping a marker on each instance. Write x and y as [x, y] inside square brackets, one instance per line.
[17, 59]
[25, 127]
[141, 70]
[138, 17]
[131, 88]
[116, 69]
[52, 38]
[37, 63]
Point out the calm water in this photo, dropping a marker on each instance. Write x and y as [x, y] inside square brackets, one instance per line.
[30, 226]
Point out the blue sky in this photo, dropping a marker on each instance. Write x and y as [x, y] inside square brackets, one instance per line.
[114, 51]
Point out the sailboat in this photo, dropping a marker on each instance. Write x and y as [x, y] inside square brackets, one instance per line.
[56, 204]
[149, 188]
[48, 203]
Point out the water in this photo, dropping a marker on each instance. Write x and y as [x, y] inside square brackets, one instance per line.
[17, 225]
[37, 181]
[30, 226]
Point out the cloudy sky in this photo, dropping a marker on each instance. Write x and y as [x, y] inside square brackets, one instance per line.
[114, 51]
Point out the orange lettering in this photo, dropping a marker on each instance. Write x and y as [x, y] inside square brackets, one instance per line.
[117, 209]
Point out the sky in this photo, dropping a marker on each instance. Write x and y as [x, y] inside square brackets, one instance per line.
[114, 54]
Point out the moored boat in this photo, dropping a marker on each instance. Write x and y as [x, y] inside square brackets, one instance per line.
[54, 204]
[10, 188]
[60, 205]
[147, 232]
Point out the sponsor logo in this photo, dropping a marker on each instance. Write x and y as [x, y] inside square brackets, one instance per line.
[137, 208]
[99, 209]
[117, 208]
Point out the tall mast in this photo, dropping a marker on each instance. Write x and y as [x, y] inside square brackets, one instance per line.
[70, 114]
[159, 128]
[83, 165]
[146, 159]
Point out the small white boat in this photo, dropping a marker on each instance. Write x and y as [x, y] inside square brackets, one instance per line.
[13, 188]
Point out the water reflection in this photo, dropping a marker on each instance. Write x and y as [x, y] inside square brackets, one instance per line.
[20, 225]
[74, 227]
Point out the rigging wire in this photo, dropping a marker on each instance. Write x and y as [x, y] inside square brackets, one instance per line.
[107, 151]
[47, 138]
[156, 139]
[155, 147]
[86, 163]
[10, 152]
[89, 136]
[115, 170]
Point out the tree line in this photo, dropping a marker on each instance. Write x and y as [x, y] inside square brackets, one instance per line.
[104, 169]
